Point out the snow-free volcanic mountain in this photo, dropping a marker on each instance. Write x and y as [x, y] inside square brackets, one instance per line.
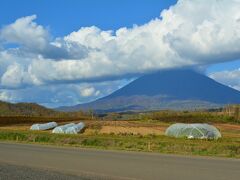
[171, 89]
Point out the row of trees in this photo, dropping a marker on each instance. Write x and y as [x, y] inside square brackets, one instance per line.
[233, 110]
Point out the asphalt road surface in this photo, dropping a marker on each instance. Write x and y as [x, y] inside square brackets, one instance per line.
[20, 161]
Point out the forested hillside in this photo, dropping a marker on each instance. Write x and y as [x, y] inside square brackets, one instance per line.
[24, 109]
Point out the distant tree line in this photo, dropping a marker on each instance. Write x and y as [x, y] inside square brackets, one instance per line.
[233, 111]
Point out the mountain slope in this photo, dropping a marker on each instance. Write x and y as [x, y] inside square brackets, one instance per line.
[172, 89]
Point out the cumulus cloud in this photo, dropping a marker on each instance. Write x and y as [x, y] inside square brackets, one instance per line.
[5, 96]
[190, 33]
[13, 77]
[34, 39]
[89, 91]
[230, 78]
[25, 32]
[90, 37]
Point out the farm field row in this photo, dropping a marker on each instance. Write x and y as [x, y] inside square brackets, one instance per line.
[130, 136]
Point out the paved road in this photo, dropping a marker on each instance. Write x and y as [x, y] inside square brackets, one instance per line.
[12, 172]
[38, 161]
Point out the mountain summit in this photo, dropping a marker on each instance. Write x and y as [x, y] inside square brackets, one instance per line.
[171, 89]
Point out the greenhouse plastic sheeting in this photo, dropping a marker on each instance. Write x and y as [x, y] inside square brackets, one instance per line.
[45, 126]
[63, 128]
[75, 129]
[193, 131]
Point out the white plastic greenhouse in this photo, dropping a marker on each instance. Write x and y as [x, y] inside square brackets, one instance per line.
[75, 129]
[45, 126]
[193, 131]
[63, 128]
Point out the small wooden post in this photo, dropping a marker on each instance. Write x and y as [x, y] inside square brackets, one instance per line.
[149, 145]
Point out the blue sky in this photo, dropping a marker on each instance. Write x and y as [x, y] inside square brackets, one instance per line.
[223, 66]
[65, 16]
[63, 52]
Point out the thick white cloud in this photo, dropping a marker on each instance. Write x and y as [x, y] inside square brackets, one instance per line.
[5, 96]
[90, 37]
[229, 77]
[14, 76]
[89, 91]
[208, 31]
[190, 33]
[25, 32]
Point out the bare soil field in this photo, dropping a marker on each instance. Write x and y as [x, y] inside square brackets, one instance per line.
[133, 130]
